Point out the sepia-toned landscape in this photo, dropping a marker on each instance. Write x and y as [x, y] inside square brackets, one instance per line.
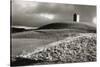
[49, 39]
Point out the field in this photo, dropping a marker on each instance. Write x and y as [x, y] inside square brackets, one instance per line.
[19, 45]
[33, 39]
[25, 43]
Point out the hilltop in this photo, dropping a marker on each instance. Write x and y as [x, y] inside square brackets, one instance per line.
[76, 26]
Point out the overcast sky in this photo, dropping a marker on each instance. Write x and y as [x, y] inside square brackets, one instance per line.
[30, 13]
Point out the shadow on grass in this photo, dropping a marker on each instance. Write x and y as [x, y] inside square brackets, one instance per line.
[26, 62]
[19, 61]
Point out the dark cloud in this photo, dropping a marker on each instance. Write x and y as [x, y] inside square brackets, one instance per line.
[28, 13]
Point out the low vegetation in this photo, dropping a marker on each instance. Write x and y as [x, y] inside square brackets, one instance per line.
[77, 48]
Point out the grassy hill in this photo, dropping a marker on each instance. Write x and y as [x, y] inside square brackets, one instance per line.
[77, 26]
[54, 43]
[80, 48]
[56, 29]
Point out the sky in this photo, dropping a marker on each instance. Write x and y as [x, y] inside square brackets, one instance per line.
[31, 13]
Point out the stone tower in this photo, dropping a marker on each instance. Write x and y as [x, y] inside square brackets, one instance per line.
[76, 17]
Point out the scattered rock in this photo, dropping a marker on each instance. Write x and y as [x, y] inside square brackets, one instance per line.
[81, 48]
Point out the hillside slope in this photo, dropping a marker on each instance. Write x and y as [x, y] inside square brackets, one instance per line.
[80, 48]
[77, 26]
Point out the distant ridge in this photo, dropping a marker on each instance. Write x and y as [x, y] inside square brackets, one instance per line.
[16, 29]
[77, 26]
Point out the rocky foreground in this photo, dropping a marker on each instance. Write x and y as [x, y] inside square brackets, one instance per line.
[80, 48]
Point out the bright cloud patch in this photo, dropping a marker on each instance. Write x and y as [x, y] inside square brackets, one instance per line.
[48, 16]
[94, 20]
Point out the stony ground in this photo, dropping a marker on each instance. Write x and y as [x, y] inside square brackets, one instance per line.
[80, 48]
